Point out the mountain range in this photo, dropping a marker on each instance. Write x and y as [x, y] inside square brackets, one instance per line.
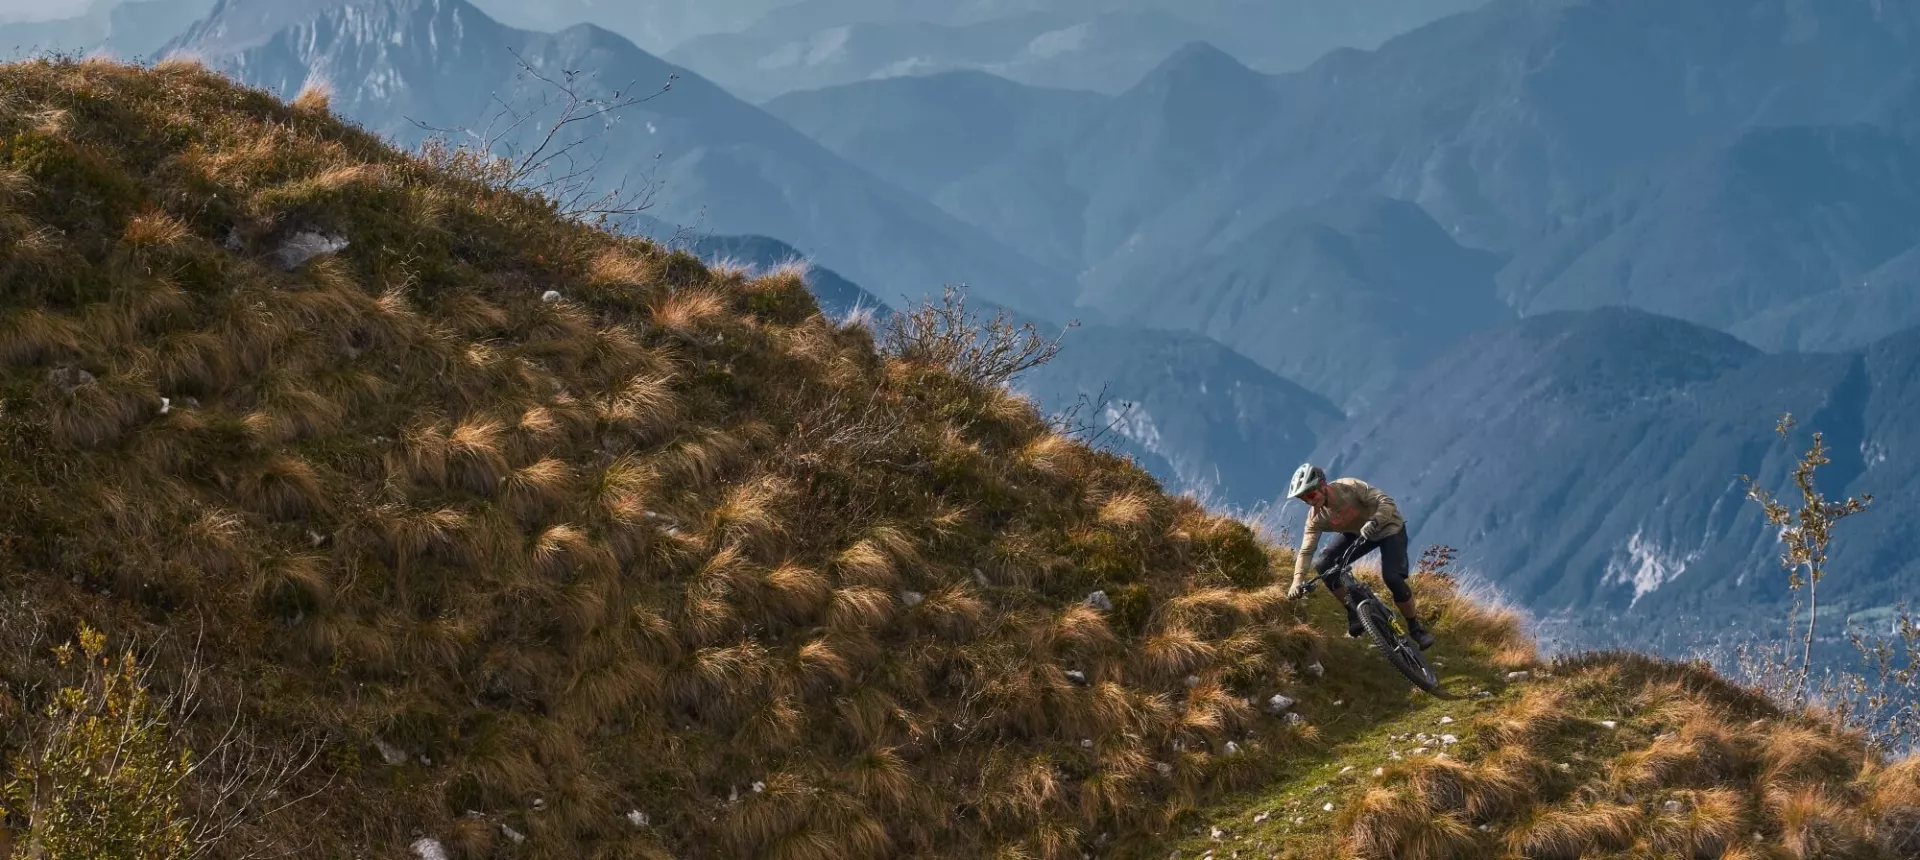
[1103, 47]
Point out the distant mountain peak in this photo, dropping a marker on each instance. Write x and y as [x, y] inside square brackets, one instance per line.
[1200, 63]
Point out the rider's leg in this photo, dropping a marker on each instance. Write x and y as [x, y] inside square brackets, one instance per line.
[1393, 569]
[1338, 549]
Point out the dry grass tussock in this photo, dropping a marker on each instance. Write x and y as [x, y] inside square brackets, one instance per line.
[1623, 755]
[568, 546]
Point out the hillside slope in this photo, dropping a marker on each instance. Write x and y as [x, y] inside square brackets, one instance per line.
[551, 536]
[562, 546]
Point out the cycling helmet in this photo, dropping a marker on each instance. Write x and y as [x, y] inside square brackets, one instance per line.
[1307, 477]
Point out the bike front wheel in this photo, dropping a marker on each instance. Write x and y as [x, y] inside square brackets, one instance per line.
[1400, 650]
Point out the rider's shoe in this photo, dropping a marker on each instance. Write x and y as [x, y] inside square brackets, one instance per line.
[1355, 629]
[1419, 633]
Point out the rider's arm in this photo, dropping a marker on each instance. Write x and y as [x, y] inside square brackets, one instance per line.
[1384, 510]
[1309, 541]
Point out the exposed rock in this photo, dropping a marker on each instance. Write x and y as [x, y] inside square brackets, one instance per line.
[69, 378]
[1098, 600]
[304, 246]
[428, 848]
[550, 296]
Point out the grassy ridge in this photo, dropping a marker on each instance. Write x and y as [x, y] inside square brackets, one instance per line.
[567, 546]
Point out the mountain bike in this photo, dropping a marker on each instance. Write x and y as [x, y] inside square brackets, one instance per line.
[1382, 623]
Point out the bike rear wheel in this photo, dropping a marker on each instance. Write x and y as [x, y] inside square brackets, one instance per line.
[1401, 651]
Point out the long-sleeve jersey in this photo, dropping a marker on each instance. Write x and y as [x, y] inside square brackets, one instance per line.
[1351, 502]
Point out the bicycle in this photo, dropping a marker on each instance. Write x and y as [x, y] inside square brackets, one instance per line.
[1382, 624]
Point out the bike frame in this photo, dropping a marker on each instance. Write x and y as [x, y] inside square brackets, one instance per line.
[1342, 576]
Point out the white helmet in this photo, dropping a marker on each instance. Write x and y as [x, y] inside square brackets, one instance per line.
[1307, 477]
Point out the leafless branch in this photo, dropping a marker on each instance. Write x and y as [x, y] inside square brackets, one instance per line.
[554, 166]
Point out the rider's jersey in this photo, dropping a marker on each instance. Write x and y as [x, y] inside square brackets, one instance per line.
[1351, 502]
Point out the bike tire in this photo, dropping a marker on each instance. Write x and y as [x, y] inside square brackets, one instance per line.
[1402, 652]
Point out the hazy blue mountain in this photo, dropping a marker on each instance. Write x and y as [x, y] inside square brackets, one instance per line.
[1101, 45]
[1199, 416]
[723, 166]
[1102, 52]
[654, 25]
[1613, 147]
[128, 29]
[923, 133]
[78, 34]
[1755, 238]
[1589, 462]
[1075, 201]
[1343, 297]
[1852, 316]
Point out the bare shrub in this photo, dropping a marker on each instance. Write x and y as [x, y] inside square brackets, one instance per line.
[946, 334]
[512, 152]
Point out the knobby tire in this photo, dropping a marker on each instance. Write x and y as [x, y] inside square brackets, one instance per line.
[1404, 655]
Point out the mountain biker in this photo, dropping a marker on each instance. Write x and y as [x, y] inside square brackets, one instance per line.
[1359, 514]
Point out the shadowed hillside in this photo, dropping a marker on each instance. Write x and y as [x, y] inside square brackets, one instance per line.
[552, 544]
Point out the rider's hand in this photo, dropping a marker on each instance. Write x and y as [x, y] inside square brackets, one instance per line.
[1297, 590]
[1371, 531]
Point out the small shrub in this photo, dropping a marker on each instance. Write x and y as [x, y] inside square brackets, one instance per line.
[949, 336]
[102, 780]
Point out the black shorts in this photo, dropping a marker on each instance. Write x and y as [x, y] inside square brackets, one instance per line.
[1393, 559]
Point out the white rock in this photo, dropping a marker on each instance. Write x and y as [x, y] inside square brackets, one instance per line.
[1671, 806]
[513, 836]
[550, 296]
[1519, 676]
[1077, 676]
[1262, 817]
[1164, 768]
[427, 848]
[1418, 751]
[1217, 833]
[1315, 669]
[1233, 748]
[69, 378]
[1379, 771]
[389, 753]
[1294, 719]
[1445, 720]
[1099, 600]
[304, 246]
[1192, 681]
[1086, 743]
[637, 818]
[1279, 704]
[759, 786]
[1339, 703]
[911, 598]
[166, 405]
[1449, 740]
[1346, 769]
[1610, 724]
[1327, 807]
